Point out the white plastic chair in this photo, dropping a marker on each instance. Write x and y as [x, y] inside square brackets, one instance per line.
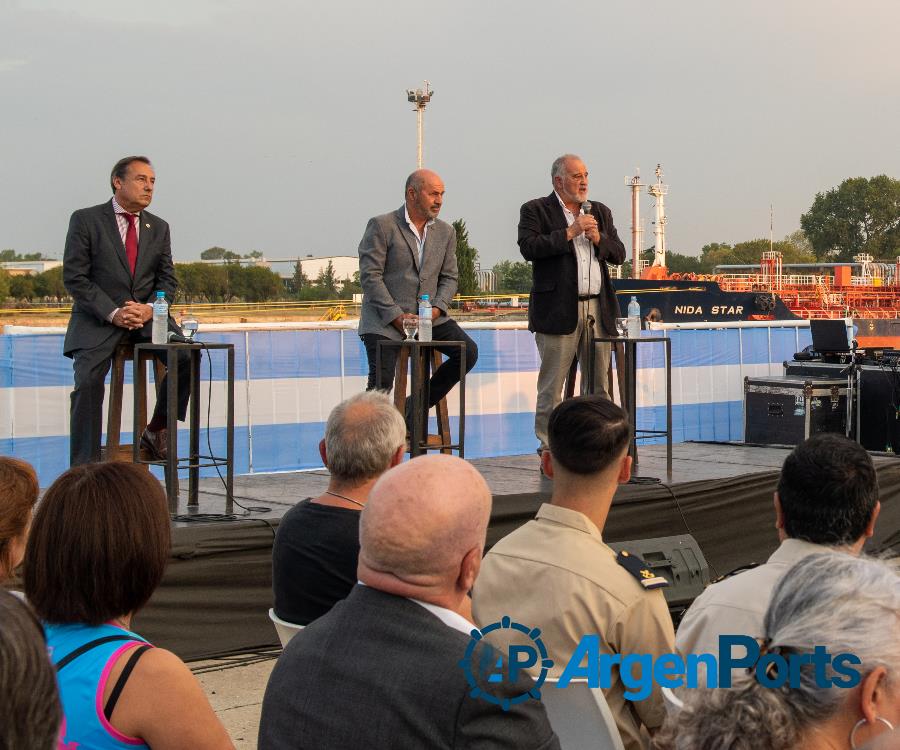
[286, 630]
[580, 716]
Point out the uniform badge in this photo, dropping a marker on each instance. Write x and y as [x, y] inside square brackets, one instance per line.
[641, 571]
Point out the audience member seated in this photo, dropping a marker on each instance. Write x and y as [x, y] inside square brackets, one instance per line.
[555, 573]
[835, 601]
[29, 704]
[18, 494]
[98, 548]
[317, 542]
[827, 498]
[381, 670]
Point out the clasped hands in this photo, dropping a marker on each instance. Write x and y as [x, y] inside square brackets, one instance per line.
[584, 224]
[132, 315]
[398, 321]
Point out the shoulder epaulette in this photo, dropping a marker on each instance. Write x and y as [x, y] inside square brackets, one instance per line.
[640, 570]
[741, 569]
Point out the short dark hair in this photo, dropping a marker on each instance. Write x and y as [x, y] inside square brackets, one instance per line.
[828, 490]
[121, 168]
[18, 494]
[99, 544]
[587, 434]
[28, 694]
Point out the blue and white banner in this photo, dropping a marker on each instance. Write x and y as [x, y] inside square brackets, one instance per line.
[288, 380]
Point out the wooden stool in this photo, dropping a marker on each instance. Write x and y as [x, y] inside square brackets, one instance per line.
[114, 450]
[442, 438]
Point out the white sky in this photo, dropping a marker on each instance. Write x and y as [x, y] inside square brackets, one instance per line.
[283, 126]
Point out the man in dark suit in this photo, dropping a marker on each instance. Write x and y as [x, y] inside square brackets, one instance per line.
[382, 669]
[569, 239]
[403, 255]
[117, 256]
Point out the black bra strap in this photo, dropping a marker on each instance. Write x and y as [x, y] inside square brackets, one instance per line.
[84, 648]
[123, 678]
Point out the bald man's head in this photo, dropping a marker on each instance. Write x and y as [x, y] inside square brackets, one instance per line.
[424, 195]
[421, 520]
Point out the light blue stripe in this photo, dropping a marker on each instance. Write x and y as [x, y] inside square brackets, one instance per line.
[36, 360]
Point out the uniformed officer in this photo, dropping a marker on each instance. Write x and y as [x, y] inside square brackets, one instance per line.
[555, 573]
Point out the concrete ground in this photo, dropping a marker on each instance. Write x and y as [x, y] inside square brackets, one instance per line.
[235, 687]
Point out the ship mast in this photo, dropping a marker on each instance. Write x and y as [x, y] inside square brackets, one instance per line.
[659, 190]
[420, 98]
[636, 231]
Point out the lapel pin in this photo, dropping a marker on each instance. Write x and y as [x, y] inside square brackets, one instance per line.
[147, 225]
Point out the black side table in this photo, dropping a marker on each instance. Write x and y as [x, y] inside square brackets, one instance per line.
[420, 354]
[194, 461]
[630, 396]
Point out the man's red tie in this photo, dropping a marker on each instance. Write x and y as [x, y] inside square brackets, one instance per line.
[131, 241]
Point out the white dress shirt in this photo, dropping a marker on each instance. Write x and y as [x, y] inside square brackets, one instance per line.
[588, 266]
[420, 241]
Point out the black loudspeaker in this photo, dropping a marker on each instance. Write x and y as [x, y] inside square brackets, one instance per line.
[878, 401]
[679, 560]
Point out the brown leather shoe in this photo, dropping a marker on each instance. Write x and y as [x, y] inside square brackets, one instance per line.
[155, 443]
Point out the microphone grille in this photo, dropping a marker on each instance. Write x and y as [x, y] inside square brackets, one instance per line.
[586, 207]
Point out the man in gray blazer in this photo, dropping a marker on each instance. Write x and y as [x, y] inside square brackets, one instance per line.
[382, 669]
[403, 255]
[117, 256]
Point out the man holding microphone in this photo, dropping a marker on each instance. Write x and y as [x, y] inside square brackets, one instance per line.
[569, 240]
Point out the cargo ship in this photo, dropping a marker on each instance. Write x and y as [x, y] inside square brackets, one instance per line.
[866, 290]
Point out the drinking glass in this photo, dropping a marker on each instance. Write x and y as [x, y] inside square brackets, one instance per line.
[189, 325]
[622, 327]
[410, 326]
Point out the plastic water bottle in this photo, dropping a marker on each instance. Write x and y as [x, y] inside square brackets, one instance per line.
[160, 330]
[634, 319]
[425, 318]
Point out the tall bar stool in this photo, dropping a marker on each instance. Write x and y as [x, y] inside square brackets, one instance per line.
[426, 359]
[114, 450]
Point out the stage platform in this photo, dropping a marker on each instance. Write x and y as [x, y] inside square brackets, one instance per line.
[217, 589]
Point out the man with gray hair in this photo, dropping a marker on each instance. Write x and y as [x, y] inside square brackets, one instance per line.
[569, 239]
[382, 669]
[317, 542]
[402, 256]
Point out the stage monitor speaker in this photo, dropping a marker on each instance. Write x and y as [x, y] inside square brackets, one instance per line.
[878, 401]
[679, 560]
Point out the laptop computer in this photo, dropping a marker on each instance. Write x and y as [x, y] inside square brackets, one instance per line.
[830, 336]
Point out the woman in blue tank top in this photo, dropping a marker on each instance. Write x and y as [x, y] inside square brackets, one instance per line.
[98, 548]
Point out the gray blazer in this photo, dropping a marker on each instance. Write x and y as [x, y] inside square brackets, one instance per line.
[389, 271]
[96, 273]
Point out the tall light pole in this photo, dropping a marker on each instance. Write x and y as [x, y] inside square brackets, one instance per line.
[636, 230]
[419, 97]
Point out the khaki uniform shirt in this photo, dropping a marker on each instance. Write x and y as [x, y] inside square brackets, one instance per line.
[737, 605]
[555, 573]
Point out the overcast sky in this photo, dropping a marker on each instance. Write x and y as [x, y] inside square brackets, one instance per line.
[283, 125]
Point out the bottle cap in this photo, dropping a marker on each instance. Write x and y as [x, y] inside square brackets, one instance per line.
[426, 297]
[160, 295]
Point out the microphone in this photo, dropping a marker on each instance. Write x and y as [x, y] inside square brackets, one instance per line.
[586, 208]
[177, 338]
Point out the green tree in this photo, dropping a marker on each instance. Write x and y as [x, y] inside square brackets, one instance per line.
[858, 216]
[351, 286]
[466, 258]
[50, 284]
[259, 284]
[299, 280]
[327, 281]
[21, 287]
[8, 255]
[513, 276]
[4, 285]
[219, 253]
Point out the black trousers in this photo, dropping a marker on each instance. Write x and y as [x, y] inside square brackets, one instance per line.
[86, 410]
[444, 378]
